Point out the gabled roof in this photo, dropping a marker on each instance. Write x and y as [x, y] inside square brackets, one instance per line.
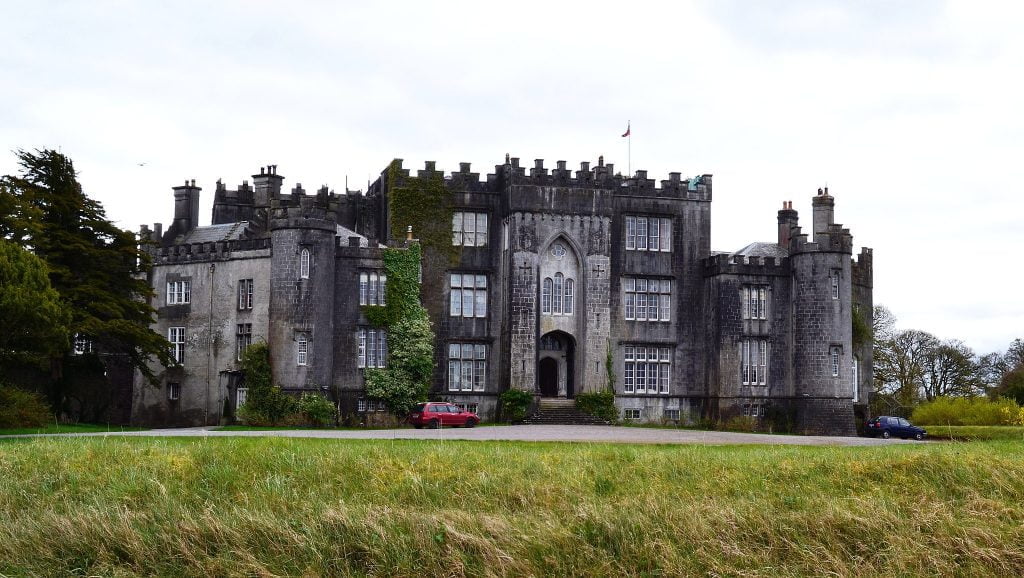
[345, 233]
[212, 233]
[759, 249]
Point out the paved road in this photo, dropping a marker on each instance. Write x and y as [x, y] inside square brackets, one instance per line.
[574, 433]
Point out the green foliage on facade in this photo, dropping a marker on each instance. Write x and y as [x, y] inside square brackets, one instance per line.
[861, 328]
[423, 203]
[406, 379]
[265, 403]
[599, 404]
[609, 367]
[514, 403]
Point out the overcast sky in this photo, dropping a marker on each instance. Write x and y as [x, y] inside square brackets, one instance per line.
[911, 112]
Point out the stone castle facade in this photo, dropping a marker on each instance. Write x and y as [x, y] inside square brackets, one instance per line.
[565, 282]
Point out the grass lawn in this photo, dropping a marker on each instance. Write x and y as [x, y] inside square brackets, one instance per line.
[275, 506]
[66, 428]
[975, 432]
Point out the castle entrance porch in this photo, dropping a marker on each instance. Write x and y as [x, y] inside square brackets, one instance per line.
[555, 360]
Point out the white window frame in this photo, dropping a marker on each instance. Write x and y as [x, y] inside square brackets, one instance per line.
[754, 301]
[647, 369]
[176, 335]
[372, 348]
[642, 295]
[302, 350]
[82, 344]
[834, 355]
[241, 394]
[467, 366]
[173, 391]
[648, 233]
[754, 362]
[245, 290]
[834, 278]
[470, 229]
[243, 339]
[373, 288]
[467, 295]
[179, 292]
[305, 260]
[855, 371]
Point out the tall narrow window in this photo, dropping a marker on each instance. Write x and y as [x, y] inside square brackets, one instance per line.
[176, 335]
[629, 297]
[243, 339]
[245, 294]
[641, 234]
[456, 229]
[372, 288]
[304, 263]
[556, 306]
[173, 391]
[754, 300]
[835, 283]
[302, 350]
[373, 348]
[545, 295]
[481, 229]
[754, 361]
[569, 289]
[835, 361]
[855, 369]
[630, 233]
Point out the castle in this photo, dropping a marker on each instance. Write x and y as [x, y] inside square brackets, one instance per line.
[562, 282]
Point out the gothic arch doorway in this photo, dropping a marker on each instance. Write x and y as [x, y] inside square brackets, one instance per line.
[556, 357]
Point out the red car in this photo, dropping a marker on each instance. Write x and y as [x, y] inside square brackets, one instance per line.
[437, 414]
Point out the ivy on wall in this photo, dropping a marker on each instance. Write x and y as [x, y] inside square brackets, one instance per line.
[406, 380]
[424, 203]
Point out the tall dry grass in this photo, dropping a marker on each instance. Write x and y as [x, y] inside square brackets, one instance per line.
[271, 506]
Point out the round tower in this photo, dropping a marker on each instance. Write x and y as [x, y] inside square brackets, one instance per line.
[822, 325]
[302, 234]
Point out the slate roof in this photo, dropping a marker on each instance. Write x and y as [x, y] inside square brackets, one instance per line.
[345, 233]
[212, 233]
[758, 249]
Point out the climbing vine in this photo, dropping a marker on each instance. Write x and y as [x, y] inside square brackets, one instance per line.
[424, 203]
[406, 379]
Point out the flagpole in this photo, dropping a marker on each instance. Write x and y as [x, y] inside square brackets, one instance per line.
[629, 149]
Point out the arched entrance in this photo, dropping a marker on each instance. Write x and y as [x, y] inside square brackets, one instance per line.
[555, 364]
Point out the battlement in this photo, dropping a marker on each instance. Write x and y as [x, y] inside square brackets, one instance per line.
[725, 264]
[833, 239]
[600, 176]
[209, 251]
[863, 268]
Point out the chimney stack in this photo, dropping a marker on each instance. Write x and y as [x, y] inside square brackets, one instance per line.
[824, 211]
[788, 219]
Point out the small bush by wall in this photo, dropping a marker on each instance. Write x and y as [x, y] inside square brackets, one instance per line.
[20, 408]
[968, 411]
[514, 404]
[599, 404]
[317, 410]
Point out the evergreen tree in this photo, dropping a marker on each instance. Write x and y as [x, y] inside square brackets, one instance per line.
[32, 318]
[97, 269]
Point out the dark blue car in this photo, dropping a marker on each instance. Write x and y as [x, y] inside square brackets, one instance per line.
[889, 426]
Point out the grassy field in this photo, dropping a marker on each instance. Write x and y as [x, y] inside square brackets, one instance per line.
[975, 432]
[271, 506]
[66, 428]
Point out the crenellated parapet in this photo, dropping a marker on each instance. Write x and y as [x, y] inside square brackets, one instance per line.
[301, 211]
[209, 251]
[863, 268]
[832, 239]
[724, 264]
[600, 176]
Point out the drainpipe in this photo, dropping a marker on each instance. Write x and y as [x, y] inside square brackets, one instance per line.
[209, 350]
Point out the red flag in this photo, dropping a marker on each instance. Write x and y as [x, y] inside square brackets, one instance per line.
[627, 130]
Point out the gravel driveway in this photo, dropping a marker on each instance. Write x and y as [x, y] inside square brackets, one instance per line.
[538, 433]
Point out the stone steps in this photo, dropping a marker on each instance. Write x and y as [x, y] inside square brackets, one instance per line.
[561, 412]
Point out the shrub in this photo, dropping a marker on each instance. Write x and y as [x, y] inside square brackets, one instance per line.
[20, 408]
[318, 410]
[741, 423]
[514, 404]
[599, 404]
[968, 411]
[266, 404]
